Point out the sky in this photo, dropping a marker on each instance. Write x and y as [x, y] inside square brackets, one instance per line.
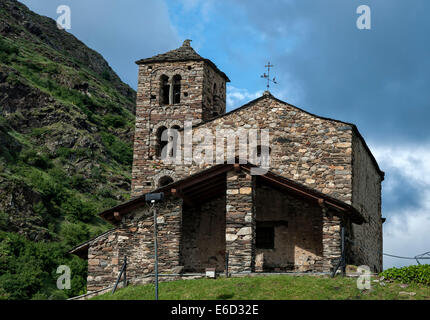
[378, 79]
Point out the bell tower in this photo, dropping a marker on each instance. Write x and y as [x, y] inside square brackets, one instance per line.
[173, 87]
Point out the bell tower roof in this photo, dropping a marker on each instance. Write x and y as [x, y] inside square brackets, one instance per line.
[183, 53]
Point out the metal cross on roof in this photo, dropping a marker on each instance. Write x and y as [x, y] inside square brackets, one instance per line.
[267, 76]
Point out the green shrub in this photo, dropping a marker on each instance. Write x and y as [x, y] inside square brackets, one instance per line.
[4, 219]
[106, 75]
[7, 51]
[411, 274]
[36, 159]
[118, 150]
[74, 233]
[114, 121]
[72, 206]
[28, 269]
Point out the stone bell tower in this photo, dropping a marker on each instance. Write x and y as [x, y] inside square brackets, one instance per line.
[172, 87]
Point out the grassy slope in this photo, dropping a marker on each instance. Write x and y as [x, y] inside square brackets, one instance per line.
[269, 288]
[65, 151]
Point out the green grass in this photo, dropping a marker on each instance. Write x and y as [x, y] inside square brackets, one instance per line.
[277, 287]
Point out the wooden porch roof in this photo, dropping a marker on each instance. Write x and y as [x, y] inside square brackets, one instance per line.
[211, 183]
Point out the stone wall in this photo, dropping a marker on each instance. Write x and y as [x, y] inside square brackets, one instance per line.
[203, 236]
[197, 104]
[103, 261]
[331, 241]
[366, 197]
[240, 222]
[297, 229]
[137, 238]
[214, 94]
[310, 150]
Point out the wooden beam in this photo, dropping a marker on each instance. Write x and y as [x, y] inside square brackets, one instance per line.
[204, 177]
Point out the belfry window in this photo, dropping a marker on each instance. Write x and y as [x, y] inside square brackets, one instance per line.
[177, 89]
[165, 89]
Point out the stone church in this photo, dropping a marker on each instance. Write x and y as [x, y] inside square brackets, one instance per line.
[322, 178]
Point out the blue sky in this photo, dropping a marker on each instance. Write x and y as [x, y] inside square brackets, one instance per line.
[378, 79]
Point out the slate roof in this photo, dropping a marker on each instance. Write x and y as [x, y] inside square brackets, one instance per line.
[183, 53]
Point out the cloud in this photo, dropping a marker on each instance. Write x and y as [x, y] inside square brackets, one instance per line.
[408, 221]
[237, 97]
[375, 78]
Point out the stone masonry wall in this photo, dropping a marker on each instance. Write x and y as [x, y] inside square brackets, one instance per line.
[331, 241]
[197, 93]
[298, 244]
[366, 196]
[203, 236]
[103, 261]
[240, 222]
[214, 94]
[138, 238]
[310, 150]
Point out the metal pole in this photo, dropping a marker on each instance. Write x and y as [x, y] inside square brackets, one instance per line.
[156, 250]
[343, 251]
[125, 272]
[226, 264]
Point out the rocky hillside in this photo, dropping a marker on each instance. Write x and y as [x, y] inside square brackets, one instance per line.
[66, 131]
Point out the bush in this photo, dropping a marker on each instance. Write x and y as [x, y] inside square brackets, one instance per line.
[4, 219]
[7, 50]
[114, 121]
[74, 233]
[36, 159]
[118, 150]
[28, 269]
[106, 75]
[412, 274]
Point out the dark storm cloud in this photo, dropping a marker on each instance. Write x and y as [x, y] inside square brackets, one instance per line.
[378, 78]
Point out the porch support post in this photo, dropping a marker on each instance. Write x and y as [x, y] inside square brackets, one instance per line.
[240, 222]
[331, 240]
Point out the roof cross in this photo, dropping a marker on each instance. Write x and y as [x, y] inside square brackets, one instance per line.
[267, 76]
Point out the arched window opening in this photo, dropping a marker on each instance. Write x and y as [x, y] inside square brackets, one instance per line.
[164, 181]
[165, 89]
[177, 89]
[160, 144]
[174, 136]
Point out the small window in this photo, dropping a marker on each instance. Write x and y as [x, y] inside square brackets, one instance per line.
[165, 89]
[177, 89]
[265, 237]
